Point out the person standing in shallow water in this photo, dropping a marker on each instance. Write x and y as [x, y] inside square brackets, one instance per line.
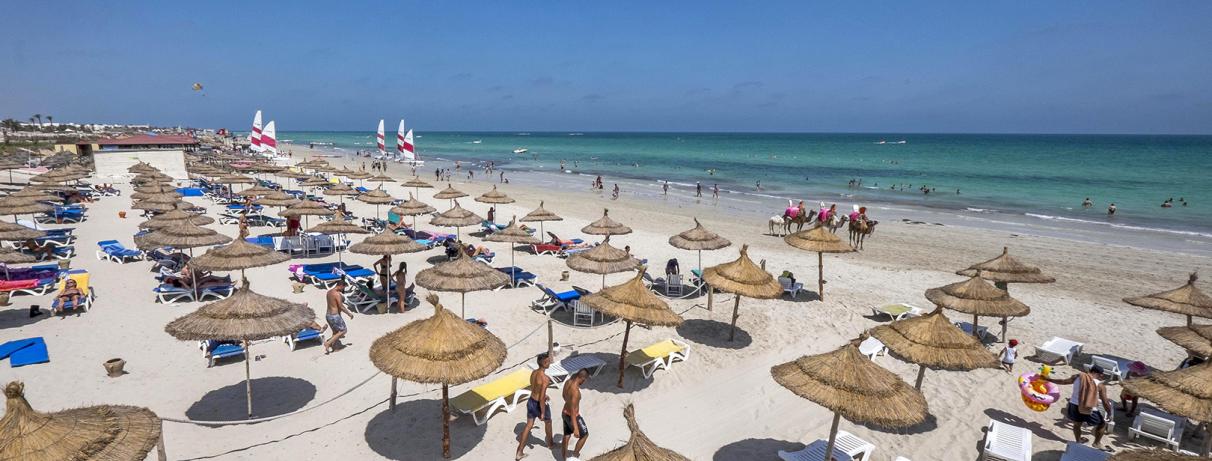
[1111, 210]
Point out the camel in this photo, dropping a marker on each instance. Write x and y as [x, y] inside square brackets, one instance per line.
[786, 220]
[834, 222]
[859, 230]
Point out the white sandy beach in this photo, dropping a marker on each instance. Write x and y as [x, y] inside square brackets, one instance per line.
[721, 404]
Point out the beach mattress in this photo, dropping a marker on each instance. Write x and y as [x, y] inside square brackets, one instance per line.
[480, 396]
[656, 351]
[23, 352]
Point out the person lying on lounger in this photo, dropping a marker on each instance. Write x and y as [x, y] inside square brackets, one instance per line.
[39, 251]
[70, 293]
[203, 279]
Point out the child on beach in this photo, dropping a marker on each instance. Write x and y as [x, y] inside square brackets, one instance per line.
[1008, 354]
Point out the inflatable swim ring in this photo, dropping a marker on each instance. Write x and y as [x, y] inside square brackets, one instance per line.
[1037, 393]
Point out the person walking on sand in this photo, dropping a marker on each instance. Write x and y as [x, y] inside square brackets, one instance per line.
[715, 191]
[1084, 404]
[698, 189]
[665, 188]
[537, 406]
[336, 307]
[615, 194]
[574, 421]
[401, 279]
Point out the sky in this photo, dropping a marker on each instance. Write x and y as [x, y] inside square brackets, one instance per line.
[884, 67]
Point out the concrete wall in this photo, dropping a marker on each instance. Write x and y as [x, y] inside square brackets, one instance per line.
[113, 165]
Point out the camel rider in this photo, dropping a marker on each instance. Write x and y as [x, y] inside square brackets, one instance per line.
[802, 210]
[859, 214]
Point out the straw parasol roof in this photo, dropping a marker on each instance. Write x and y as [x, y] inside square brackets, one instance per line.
[442, 349]
[341, 189]
[1184, 392]
[305, 207]
[1188, 300]
[11, 231]
[104, 433]
[147, 195]
[276, 198]
[174, 217]
[1194, 338]
[933, 341]
[381, 178]
[184, 235]
[462, 275]
[338, 225]
[255, 191]
[743, 277]
[351, 174]
[8, 256]
[456, 217]
[386, 243]
[17, 205]
[412, 207]
[494, 196]
[821, 241]
[237, 255]
[634, 303]
[977, 297]
[33, 194]
[606, 226]
[235, 179]
[513, 233]
[156, 188]
[541, 215]
[243, 316]
[55, 176]
[314, 182]
[448, 193]
[1006, 269]
[604, 259]
[698, 238]
[638, 447]
[376, 197]
[1156, 454]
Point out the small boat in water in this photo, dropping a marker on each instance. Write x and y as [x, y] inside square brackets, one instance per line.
[477, 141]
[521, 150]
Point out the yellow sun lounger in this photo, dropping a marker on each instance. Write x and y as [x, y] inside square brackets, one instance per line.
[503, 393]
[660, 355]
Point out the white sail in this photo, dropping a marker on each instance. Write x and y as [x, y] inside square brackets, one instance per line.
[379, 139]
[410, 153]
[254, 136]
[269, 139]
[400, 139]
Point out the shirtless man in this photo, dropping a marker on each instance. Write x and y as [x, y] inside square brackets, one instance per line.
[574, 424]
[536, 406]
[336, 306]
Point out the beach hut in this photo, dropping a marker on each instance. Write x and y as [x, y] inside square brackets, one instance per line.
[456, 217]
[602, 259]
[1196, 339]
[237, 255]
[244, 316]
[742, 277]
[338, 226]
[634, 303]
[541, 215]
[606, 226]
[933, 341]
[412, 207]
[852, 386]
[512, 234]
[638, 447]
[442, 349]
[1188, 300]
[376, 197]
[821, 241]
[461, 275]
[1185, 392]
[103, 433]
[977, 297]
[698, 239]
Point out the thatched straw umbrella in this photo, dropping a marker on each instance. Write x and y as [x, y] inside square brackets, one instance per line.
[147, 195]
[821, 241]
[512, 234]
[977, 297]
[55, 176]
[494, 196]
[456, 217]
[1156, 454]
[341, 190]
[1006, 269]
[276, 199]
[742, 277]
[8, 257]
[15, 232]
[33, 194]
[412, 207]
[376, 197]
[339, 227]
[1188, 300]
[244, 316]
[186, 235]
[237, 255]
[449, 193]
[443, 349]
[416, 183]
[1184, 392]
[387, 244]
[698, 239]
[104, 432]
[854, 387]
[602, 259]
[632, 302]
[305, 208]
[638, 447]
[541, 215]
[462, 275]
[255, 191]
[11, 165]
[18, 206]
[1196, 339]
[606, 226]
[933, 341]
[381, 178]
[156, 188]
[174, 217]
[315, 182]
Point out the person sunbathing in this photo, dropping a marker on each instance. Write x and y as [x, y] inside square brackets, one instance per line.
[39, 251]
[69, 293]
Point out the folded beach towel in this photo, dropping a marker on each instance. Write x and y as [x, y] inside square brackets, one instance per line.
[23, 352]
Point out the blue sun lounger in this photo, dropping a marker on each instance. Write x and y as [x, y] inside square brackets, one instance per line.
[24, 352]
[114, 251]
[214, 350]
[518, 276]
[307, 334]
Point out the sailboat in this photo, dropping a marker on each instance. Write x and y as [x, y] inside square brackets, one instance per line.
[254, 136]
[408, 149]
[269, 140]
[379, 141]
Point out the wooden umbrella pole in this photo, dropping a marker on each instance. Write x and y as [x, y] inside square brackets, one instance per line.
[160, 454]
[837, 418]
[393, 393]
[921, 373]
[820, 275]
[1005, 324]
[550, 337]
[248, 378]
[445, 422]
[975, 318]
[736, 305]
[710, 294]
[1207, 441]
[463, 304]
[623, 354]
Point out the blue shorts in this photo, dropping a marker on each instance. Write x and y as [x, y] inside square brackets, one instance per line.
[1095, 418]
[568, 430]
[533, 410]
[336, 323]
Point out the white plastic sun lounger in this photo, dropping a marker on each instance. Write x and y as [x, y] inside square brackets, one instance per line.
[504, 393]
[872, 347]
[1113, 369]
[815, 451]
[1058, 349]
[658, 356]
[559, 372]
[1158, 425]
[1006, 443]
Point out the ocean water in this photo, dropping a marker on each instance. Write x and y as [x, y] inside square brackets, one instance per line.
[1024, 178]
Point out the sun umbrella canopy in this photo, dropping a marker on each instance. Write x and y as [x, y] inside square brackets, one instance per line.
[376, 197]
[33, 194]
[174, 217]
[315, 182]
[412, 207]
[340, 189]
[184, 235]
[419, 183]
[541, 214]
[604, 259]
[15, 257]
[255, 191]
[442, 349]
[1188, 300]
[235, 179]
[456, 216]
[338, 225]
[606, 226]
[382, 178]
[462, 275]
[1006, 269]
[818, 239]
[638, 447]
[741, 276]
[351, 174]
[449, 193]
[633, 301]
[1194, 338]
[977, 297]
[932, 340]
[237, 255]
[494, 196]
[243, 316]
[698, 238]
[386, 243]
[12, 232]
[106, 432]
[276, 198]
[848, 383]
[17, 205]
[156, 188]
[146, 195]
[513, 233]
[306, 207]
[1185, 392]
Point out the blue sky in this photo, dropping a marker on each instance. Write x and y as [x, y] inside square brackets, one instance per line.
[1031, 67]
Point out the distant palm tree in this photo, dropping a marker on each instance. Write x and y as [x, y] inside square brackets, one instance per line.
[31, 120]
[39, 117]
[50, 120]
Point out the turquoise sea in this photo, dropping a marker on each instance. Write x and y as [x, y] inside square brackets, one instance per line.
[1029, 177]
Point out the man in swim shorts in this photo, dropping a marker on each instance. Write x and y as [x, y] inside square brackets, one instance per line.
[336, 307]
[572, 414]
[536, 405]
